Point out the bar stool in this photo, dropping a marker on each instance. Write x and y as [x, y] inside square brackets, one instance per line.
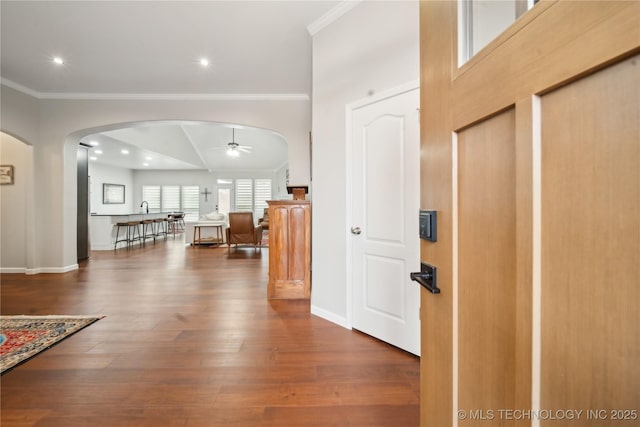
[132, 228]
[126, 235]
[171, 225]
[160, 227]
[178, 217]
[148, 231]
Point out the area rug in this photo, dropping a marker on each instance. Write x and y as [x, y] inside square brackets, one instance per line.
[265, 239]
[22, 337]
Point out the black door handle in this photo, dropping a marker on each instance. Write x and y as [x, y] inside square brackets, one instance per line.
[426, 277]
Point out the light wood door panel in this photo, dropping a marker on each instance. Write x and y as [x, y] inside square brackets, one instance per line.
[575, 328]
[486, 256]
[591, 243]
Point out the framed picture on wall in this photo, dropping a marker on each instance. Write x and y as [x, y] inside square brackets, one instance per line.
[6, 174]
[112, 194]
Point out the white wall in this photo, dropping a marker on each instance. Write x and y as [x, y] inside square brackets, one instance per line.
[20, 115]
[16, 206]
[374, 47]
[54, 128]
[280, 185]
[104, 174]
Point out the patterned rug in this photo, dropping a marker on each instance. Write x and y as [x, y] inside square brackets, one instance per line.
[22, 337]
[265, 239]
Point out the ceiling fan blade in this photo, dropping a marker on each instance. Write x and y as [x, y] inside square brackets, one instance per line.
[244, 149]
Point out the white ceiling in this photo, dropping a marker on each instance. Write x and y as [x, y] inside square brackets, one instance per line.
[154, 47]
[188, 145]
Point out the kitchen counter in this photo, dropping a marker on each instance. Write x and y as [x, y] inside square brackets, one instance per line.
[102, 230]
[145, 214]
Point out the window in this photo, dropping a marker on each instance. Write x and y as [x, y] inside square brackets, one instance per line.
[481, 21]
[252, 195]
[262, 194]
[151, 193]
[173, 198]
[170, 198]
[191, 202]
[244, 195]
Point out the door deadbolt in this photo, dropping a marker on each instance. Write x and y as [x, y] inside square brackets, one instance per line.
[355, 230]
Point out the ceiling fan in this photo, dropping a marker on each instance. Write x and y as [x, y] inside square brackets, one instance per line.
[235, 148]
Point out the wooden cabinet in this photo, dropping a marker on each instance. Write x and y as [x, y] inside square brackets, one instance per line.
[289, 249]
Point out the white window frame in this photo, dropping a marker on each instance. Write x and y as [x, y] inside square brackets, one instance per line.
[159, 205]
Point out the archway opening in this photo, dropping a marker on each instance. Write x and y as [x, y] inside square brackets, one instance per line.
[190, 158]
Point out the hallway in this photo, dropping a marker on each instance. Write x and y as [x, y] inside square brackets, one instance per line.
[190, 339]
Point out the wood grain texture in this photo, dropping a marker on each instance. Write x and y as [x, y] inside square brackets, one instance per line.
[290, 249]
[591, 243]
[524, 254]
[565, 40]
[487, 251]
[436, 311]
[190, 339]
[554, 44]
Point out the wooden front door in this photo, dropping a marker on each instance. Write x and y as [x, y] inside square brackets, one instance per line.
[531, 155]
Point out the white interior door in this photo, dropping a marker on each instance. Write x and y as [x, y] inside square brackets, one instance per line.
[384, 226]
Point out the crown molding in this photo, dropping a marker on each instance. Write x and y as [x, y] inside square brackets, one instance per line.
[331, 16]
[19, 87]
[157, 96]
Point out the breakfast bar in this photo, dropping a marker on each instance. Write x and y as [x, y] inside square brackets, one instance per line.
[102, 230]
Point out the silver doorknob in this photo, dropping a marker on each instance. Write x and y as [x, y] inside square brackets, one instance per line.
[355, 230]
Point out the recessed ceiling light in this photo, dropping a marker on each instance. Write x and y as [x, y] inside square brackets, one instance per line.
[148, 158]
[93, 158]
[204, 62]
[124, 151]
[94, 143]
[58, 61]
[97, 151]
[145, 164]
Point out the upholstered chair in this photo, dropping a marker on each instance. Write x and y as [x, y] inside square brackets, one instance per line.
[242, 230]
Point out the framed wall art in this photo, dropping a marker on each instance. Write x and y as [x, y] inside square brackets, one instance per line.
[6, 175]
[112, 194]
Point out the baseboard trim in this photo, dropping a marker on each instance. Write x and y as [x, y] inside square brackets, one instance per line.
[13, 270]
[331, 317]
[55, 270]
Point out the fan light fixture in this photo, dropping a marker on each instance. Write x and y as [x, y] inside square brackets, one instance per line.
[235, 148]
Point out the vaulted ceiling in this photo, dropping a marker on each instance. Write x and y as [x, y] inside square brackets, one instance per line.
[188, 145]
[150, 48]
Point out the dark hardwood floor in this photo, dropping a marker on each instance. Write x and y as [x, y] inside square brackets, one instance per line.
[190, 339]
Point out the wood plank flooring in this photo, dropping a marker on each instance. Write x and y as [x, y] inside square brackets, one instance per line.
[190, 339]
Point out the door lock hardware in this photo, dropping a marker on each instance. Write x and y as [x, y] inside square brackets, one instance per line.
[426, 277]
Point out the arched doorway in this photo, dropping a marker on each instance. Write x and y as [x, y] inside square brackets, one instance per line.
[194, 153]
